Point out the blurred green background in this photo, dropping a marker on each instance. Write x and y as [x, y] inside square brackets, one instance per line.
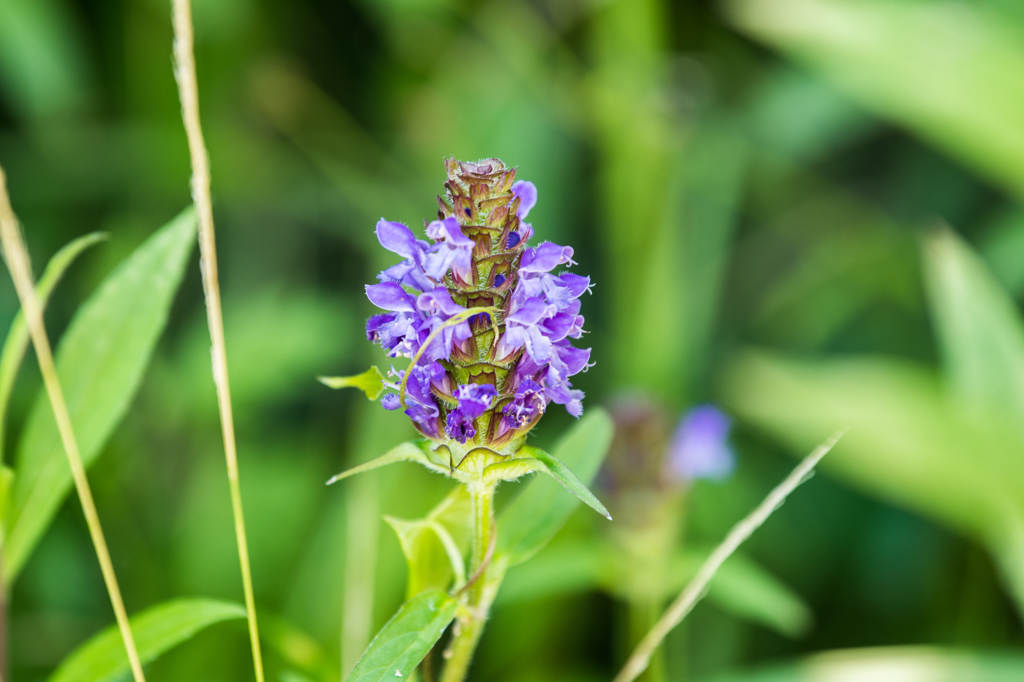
[805, 211]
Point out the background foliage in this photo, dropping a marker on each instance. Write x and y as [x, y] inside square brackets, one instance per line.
[807, 211]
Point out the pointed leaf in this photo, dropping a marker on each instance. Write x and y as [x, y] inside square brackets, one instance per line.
[156, 630]
[563, 475]
[17, 338]
[406, 452]
[541, 509]
[979, 327]
[405, 639]
[100, 361]
[370, 382]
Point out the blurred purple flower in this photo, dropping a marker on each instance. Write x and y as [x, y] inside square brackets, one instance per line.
[699, 447]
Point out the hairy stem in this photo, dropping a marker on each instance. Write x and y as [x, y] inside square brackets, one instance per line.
[188, 91]
[480, 593]
[17, 258]
[697, 587]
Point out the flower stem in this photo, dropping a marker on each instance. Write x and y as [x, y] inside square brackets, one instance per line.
[485, 579]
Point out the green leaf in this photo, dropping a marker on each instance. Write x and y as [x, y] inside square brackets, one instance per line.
[917, 663]
[370, 382]
[17, 338]
[563, 475]
[978, 325]
[541, 509]
[156, 630]
[101, 360]
[430, 565]
[406, 452]
[965, 65]
[433, 545]
[405, 639]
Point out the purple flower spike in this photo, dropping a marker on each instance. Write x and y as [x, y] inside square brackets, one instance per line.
[699, 448]
[474, 400]
[476, 257]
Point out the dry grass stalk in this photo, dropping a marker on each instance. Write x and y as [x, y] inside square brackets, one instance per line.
[185, 74]
[20, 267]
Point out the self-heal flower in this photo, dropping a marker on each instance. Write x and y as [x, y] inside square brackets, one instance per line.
[484, 317]
[699, 447]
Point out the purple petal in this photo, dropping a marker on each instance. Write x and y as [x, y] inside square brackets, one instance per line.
[575, 359]
[527, 193]
[532, 312]
[448, 230]
[546, 257]
[396, 237]
[527, 403]
[576, 284]
[474, 400]
[390, 296]
[438, 301]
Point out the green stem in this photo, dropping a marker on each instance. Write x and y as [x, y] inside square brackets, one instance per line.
[480, 594]
[642, 615]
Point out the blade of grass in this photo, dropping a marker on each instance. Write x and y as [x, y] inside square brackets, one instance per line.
[697, 587]
[17, 259]
[185, 74]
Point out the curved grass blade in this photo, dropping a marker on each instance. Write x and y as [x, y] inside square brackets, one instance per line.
[405, 639]
[562, 474]
[406, 452]
[542, 509]
[100, 362]
[17, 338]
[158, 629]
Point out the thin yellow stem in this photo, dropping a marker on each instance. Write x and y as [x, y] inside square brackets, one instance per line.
[693, 592]
[18, 263]
[185, 74]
